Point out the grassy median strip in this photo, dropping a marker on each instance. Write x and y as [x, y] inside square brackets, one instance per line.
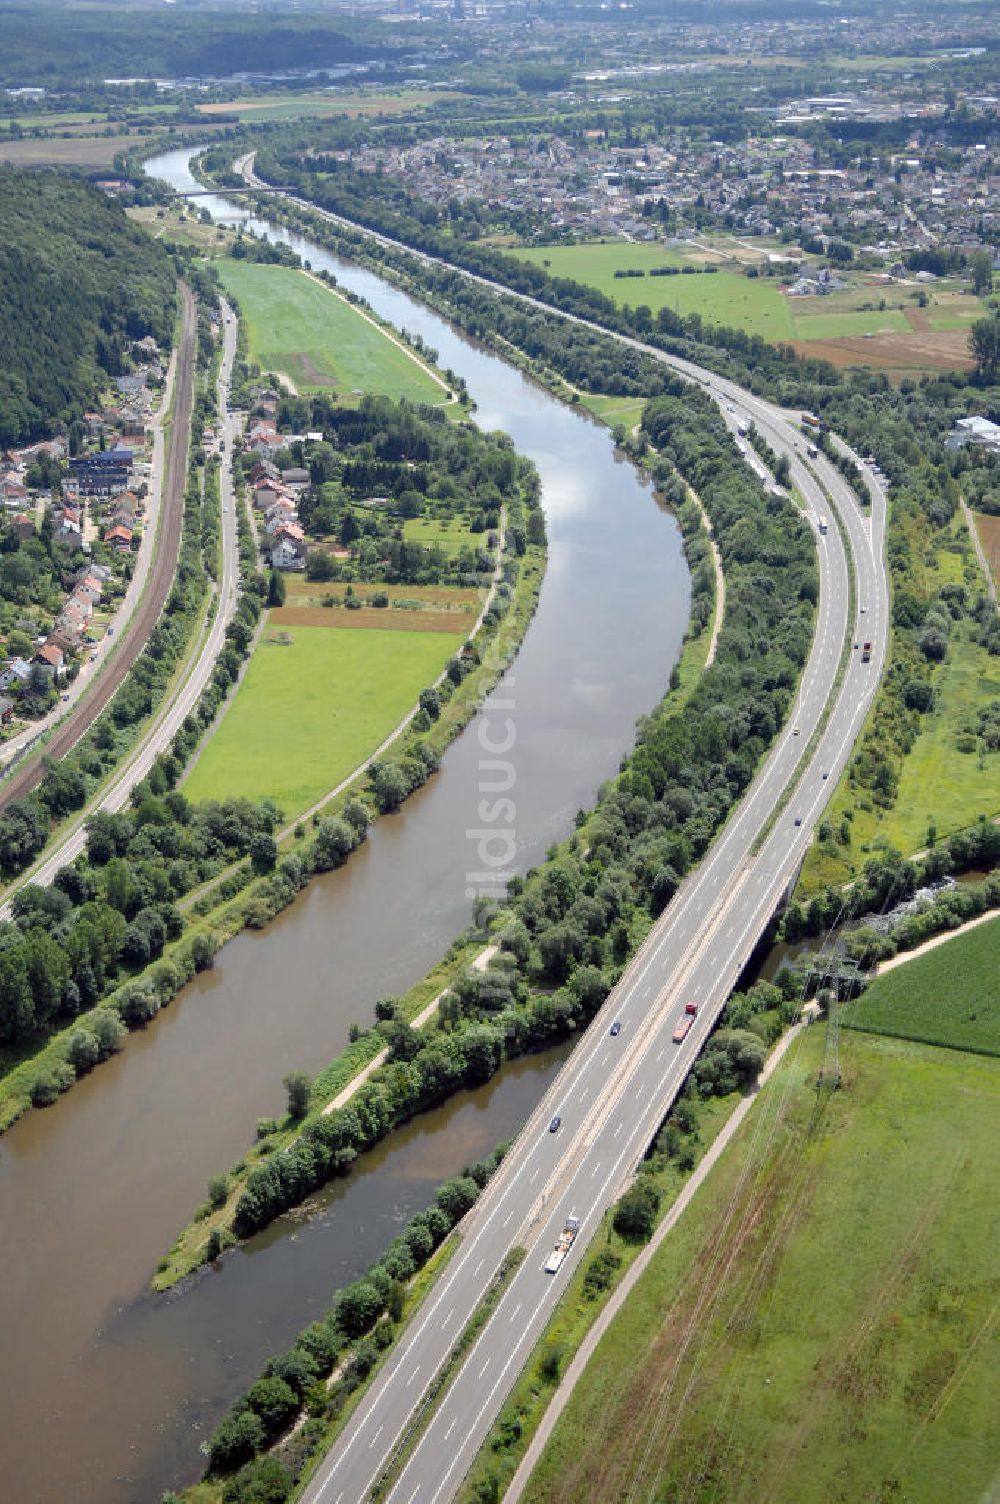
[442, 1380]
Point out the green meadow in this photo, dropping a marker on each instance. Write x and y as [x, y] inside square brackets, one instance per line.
[308, 712]
[296, 326]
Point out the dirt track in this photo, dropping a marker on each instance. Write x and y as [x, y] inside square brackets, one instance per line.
[161, 578]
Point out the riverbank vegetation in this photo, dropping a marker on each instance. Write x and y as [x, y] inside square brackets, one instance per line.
[140, 864]
[286, 1421]
[568, 929]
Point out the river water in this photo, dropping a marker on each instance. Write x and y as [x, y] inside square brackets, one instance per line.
[105, 1393]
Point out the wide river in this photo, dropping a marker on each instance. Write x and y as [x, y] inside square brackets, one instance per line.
[105, 1392]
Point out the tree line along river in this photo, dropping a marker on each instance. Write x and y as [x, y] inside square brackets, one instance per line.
[106, 1392]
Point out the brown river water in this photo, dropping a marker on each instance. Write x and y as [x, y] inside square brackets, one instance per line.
[105, 1392]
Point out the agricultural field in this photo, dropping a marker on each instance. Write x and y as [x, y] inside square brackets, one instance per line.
[723, 297]
[868, 322]
[822, 1323]
[314, 703]
[293, 106]
[65, 151]
[319, 341]
[948, 996]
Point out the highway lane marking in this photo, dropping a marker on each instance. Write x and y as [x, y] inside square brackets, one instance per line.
[618, 1129]
[451, 1428]
[484, 1367]
[478, 1267]
[513, 1316]
[413, 1495]
[508, 1216]
[375, 1438]
[413, 1375]
[534, 1174]
[448, 1317]
[550, 1294]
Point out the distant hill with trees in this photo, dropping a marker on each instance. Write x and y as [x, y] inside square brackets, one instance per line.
[141, 42]
[80, 281]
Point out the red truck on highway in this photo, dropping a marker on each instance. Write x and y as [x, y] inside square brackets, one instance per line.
[681, 1031]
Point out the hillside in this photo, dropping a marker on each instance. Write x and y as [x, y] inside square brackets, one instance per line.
[79, 282]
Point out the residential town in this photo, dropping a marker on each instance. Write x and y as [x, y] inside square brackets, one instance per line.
[72, 523]
[770, 184]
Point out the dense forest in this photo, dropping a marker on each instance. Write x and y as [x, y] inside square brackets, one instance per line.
[124, 42]
[79, 281]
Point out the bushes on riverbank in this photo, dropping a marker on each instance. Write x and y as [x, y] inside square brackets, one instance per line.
[569, 927]
[141, 862]
[347, 1343]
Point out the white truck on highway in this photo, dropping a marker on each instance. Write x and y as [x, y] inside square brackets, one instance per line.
[565, 1243]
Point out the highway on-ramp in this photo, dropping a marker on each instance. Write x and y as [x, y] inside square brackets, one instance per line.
[169, 719]
[615, 1089]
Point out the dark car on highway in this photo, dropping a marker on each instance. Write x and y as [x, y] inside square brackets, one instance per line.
[555, 1123]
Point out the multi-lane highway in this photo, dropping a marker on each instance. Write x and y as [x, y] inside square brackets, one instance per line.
[615, 1089]
[169, 720]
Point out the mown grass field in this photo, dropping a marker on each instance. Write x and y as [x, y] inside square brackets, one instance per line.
[759, 306]
[722, 297]
[296, 326]
[614, 410]
[948, 996]
[305, 715]
[839, 324]
[449, 534]
[823, 1324]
